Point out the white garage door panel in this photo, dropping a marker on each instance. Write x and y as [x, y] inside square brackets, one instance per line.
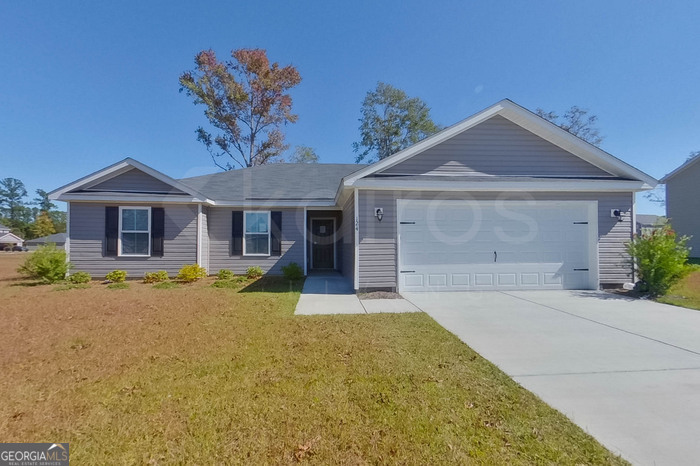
[459, 245]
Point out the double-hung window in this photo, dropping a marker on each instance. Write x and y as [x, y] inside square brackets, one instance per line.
[135, 231]
[256, 232]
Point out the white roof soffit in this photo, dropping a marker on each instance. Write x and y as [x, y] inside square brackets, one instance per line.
[117, 169]
[683, 167]
[527, 120]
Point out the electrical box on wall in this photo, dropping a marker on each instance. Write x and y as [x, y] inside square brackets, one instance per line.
[616, 213]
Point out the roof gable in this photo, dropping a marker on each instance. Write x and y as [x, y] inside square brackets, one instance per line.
[128, 177]
[688, 164]
[496, 147]
[10, 238]
[132, 180]
[527, 121]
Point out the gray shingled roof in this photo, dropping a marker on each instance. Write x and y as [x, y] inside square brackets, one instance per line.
[3, 227]
[58, 238]
[279, 181]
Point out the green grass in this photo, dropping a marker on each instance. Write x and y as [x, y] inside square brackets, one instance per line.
[231, 283]
[118, 286]
[166, 285]
[686, 293]
[232, 376]
[71, 286]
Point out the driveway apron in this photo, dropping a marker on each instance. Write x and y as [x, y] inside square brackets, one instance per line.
[627, 371]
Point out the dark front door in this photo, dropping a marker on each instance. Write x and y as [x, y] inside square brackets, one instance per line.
[322, 236]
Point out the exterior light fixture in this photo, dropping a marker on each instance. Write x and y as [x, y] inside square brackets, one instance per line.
[379, 213]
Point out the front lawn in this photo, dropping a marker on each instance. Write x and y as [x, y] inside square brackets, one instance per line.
[201, 375]
[687, 292]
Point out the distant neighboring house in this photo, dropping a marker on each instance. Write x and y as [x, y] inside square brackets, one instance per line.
[59, 239]
[503, 200]
[647, 223]
[7, 239]
[683, 201]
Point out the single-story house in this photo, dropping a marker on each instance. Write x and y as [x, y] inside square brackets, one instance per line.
[59, 239]
[8, 239]
[647, 223]
[501, 200]
[683, 201]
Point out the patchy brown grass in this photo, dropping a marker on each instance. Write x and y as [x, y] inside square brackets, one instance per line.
[686, 293]
[202, 375]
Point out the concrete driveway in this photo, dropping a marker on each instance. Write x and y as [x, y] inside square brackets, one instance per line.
[627, 371]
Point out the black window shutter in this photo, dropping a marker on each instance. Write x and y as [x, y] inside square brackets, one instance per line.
[111, 230]
[276, 234]
[237, 233]
[157, 231]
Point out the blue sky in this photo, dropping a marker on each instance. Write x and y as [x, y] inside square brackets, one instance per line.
[85, 84]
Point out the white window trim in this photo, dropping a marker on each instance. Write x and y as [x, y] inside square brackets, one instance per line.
[269, 232]
[119, 238]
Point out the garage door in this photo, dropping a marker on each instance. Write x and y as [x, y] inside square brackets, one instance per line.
[450, 245]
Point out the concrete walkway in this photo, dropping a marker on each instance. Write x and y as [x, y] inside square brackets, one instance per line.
[627, 371]
[333, 294]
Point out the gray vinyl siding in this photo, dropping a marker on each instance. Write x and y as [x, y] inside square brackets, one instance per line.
[136, 181]
[496, 147]
[347, 232]
[683, 205]
[220, 232]
[377, 261]
[87, 237]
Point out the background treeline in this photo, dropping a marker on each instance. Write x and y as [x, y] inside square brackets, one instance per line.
[28, 218]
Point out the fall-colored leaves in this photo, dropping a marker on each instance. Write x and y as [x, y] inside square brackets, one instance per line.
[246, 99]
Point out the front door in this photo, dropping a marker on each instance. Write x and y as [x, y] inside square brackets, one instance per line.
[322, 238]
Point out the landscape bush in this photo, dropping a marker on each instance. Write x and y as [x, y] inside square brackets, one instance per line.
[116, 276]
[191, 273]
[224, 274]
[47, 264]
[155, 277]
[293, 272]
[660, 259]
[254, 272]
[79, 277]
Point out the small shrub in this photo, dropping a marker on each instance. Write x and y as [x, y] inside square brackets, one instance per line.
[660, 260]
[116, 276]
[79, 277]
[155, 277]
[224, 274]
[166, 285]
[293, 272]
[47, 264]
[191, 273]
[254, 272]
[118, 286]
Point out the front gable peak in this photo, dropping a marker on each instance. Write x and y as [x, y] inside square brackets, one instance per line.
[504, 140]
